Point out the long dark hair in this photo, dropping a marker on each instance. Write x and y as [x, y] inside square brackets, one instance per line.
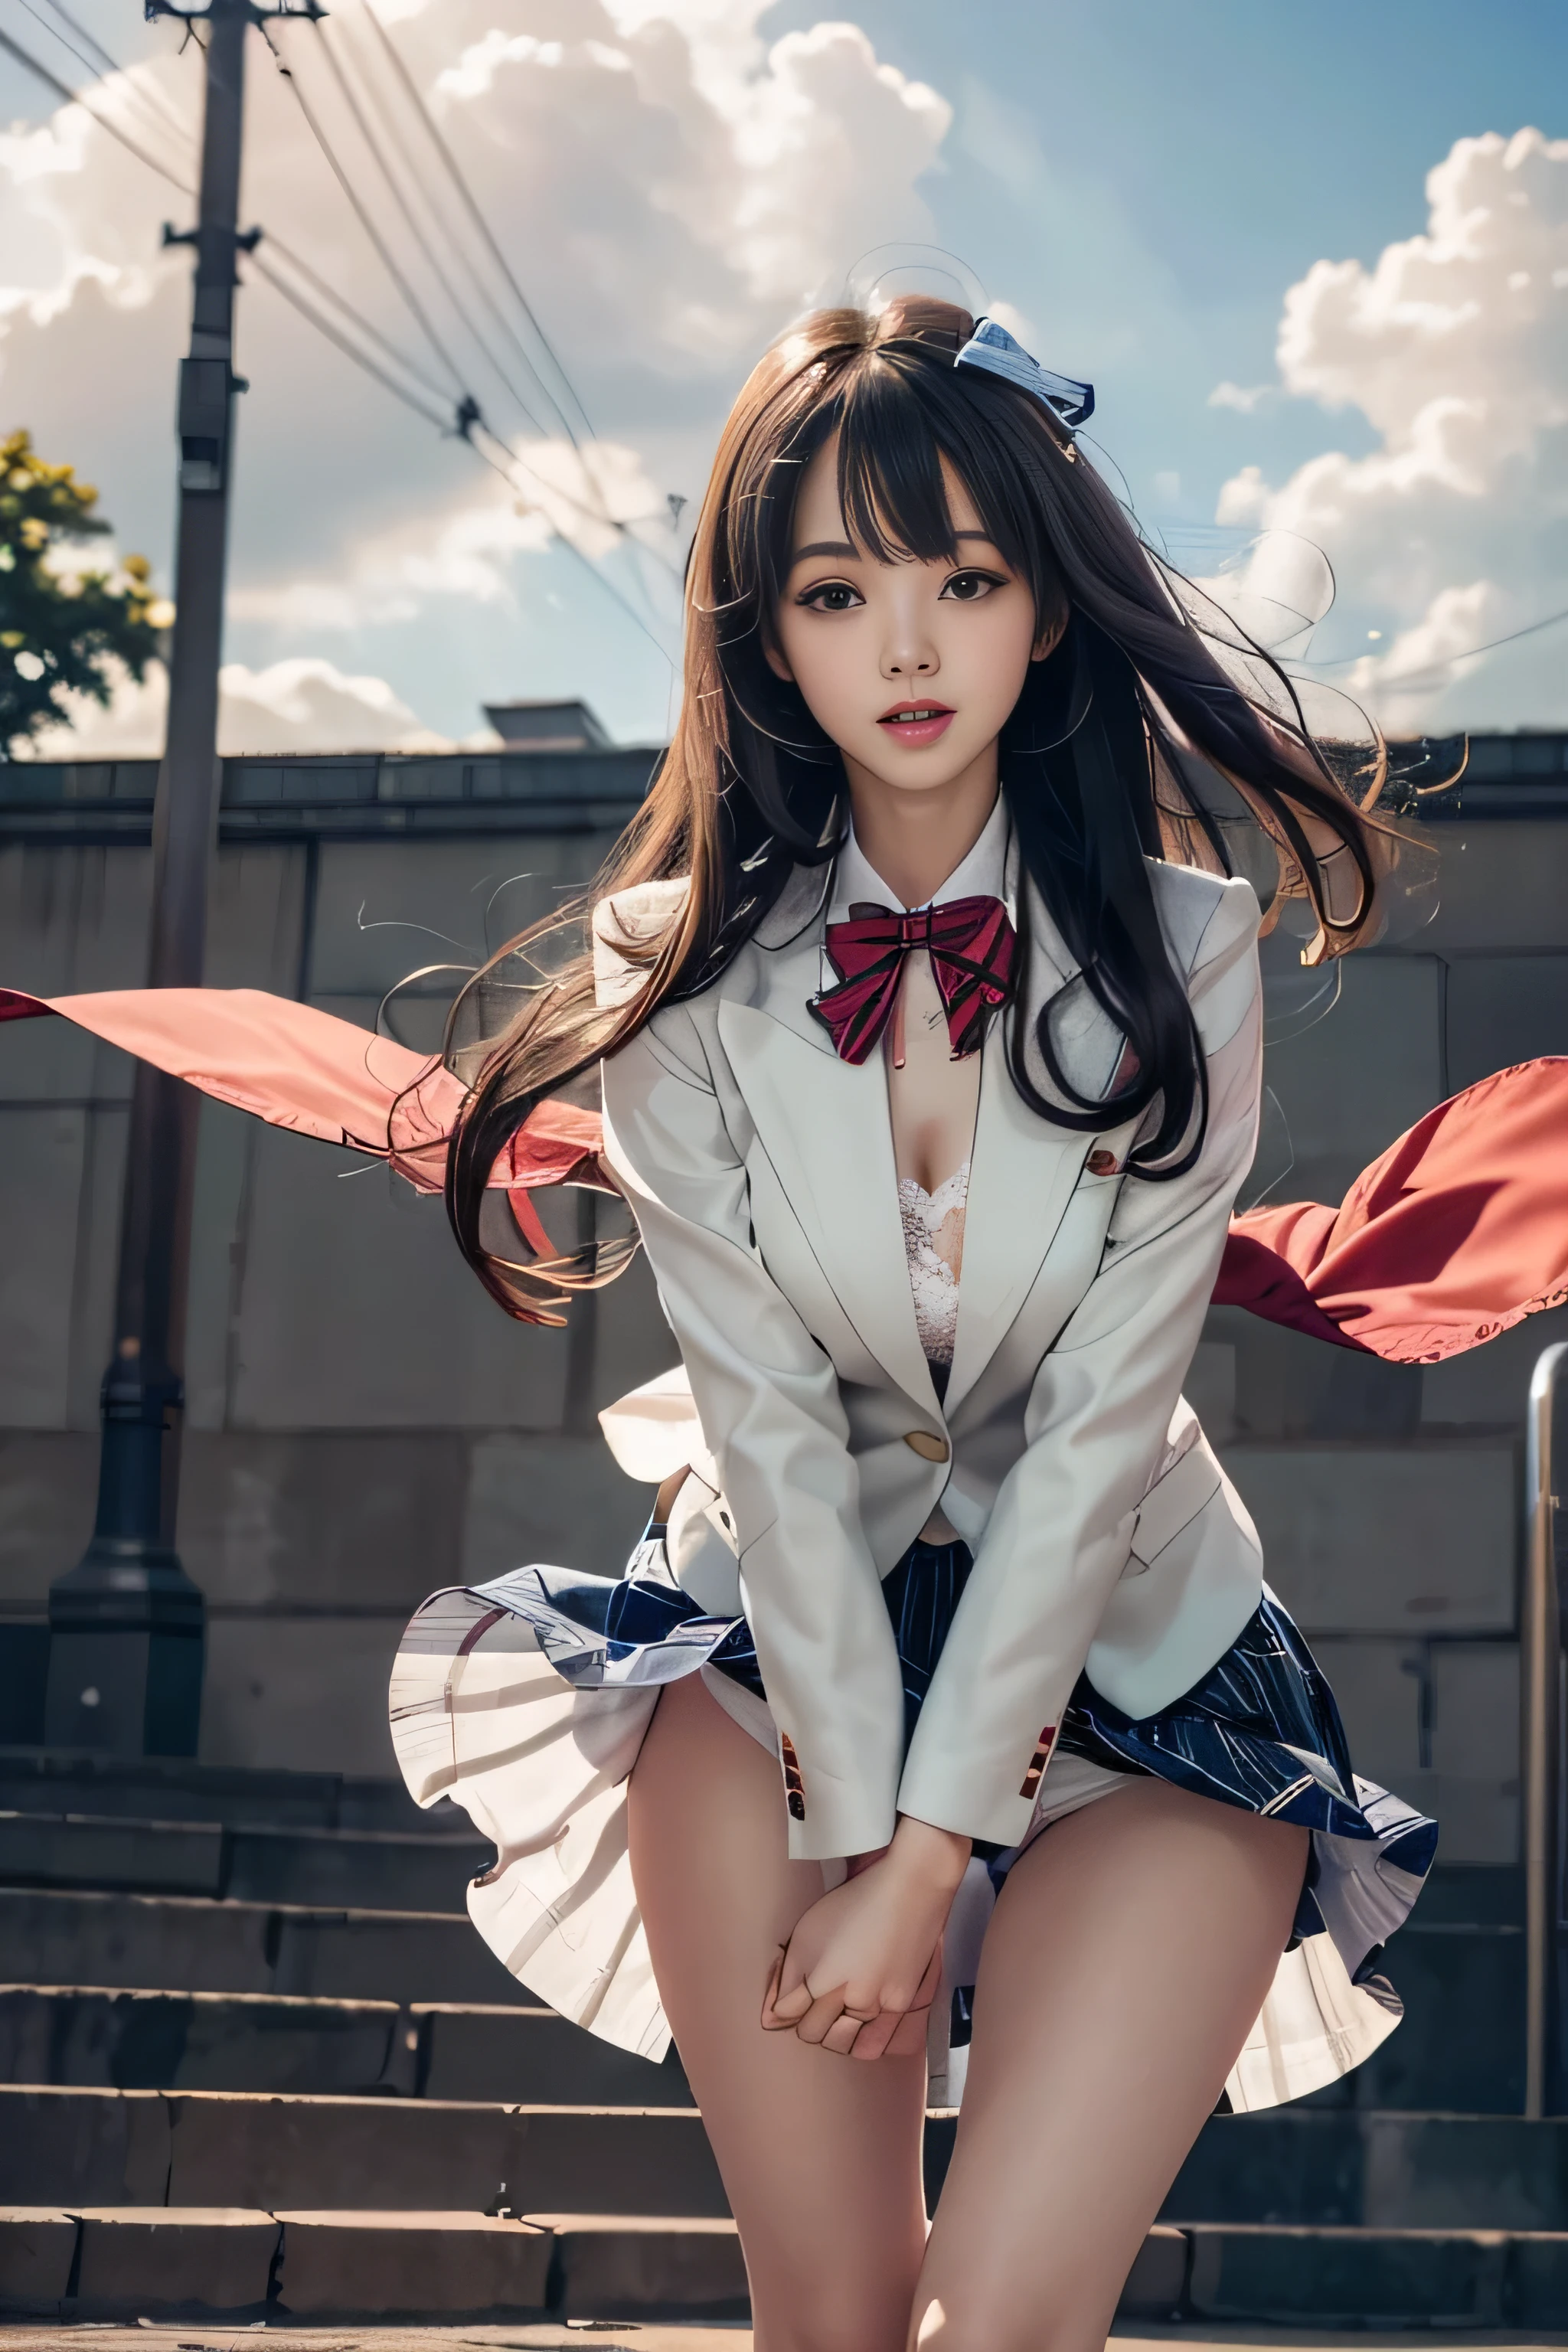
[1123, 744]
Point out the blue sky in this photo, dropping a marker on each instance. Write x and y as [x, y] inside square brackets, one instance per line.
[1142, 183]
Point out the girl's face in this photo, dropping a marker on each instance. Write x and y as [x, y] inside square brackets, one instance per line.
[911, 668]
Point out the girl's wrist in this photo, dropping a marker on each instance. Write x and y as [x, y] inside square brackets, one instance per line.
[939, 1856]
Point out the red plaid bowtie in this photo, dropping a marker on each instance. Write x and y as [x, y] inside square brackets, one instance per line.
[970, 943]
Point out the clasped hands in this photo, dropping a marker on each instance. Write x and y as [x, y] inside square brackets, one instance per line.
[860, 1971]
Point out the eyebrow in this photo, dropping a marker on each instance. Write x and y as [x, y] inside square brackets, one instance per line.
[841, 547]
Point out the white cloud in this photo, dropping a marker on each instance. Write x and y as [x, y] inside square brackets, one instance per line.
[303, 705]
[1449, 533]
[1244, 398]
[671, 188]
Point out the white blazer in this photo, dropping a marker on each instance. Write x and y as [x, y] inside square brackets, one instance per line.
[759, 1170]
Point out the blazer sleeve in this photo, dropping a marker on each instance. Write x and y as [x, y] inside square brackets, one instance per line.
[768, 1398]
[1061, 1533]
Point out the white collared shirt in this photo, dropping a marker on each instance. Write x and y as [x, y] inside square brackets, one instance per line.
[979, 875]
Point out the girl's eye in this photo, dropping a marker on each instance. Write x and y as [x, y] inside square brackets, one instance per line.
[968, 587]
[831, 596]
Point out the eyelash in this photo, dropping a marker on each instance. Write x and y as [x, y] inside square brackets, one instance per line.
[809, 598]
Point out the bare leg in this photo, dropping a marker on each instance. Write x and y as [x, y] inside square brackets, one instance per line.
[1128, 1956]
[821, 2157]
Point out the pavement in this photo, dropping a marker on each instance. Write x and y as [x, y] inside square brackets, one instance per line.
[623, 2335]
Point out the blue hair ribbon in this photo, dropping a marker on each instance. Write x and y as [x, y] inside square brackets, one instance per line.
[991, 347]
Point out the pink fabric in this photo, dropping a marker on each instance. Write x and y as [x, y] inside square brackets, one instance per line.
[1458, 1230]
[297, 1068]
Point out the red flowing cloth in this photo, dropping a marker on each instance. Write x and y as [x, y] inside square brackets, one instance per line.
[1458, 1230]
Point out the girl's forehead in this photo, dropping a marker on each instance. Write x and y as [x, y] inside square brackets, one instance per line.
[819, 515]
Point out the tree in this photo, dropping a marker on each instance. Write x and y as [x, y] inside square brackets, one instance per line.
[60, 628]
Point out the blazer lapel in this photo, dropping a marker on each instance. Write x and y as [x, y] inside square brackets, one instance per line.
[824, 1125]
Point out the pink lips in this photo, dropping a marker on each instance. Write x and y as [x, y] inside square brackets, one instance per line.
[934, 719]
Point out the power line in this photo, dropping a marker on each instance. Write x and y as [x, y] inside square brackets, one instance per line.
[1448, 661]
[361, 213]
[323, 326]
[595, 509]
[69, 97]
[307, 310]
[411, 167]
[367, 326]
[151, 96]
[603, 578]
[471, 205]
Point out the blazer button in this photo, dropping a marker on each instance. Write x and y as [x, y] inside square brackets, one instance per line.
[1102, 1163]
[930, 1448]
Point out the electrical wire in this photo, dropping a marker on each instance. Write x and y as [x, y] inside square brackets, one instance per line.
[71, 96]
[471, 205]
[411, 219]
[361, 212]
[367, 326]
[603, 578]
[75, 97]
[149, 94]
[323, 326]
[411, 167]
[1434, 669]
[594, 508]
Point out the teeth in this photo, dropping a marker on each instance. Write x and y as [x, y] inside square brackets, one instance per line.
[909, 718]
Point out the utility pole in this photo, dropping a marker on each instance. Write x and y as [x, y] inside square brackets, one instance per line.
[127, 1624]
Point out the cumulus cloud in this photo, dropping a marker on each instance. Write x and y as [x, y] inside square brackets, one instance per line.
[1449, 533]
[670, 186]
[302, 705]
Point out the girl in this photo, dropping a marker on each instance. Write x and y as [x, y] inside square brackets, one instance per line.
[942, 1737]
[929, 1015]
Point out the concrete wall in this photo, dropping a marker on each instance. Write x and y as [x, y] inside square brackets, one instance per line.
[364, 1426]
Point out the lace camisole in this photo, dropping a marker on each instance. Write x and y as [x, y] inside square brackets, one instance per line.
[933, 1246]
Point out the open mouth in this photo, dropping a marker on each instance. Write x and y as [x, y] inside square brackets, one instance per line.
[917, 722]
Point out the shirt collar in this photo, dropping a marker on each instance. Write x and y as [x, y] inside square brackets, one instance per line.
[981, 875]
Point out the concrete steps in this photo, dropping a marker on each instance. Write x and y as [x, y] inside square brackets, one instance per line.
[363, 1869]
[174, 1788]
[1380, 2172]
[247, 2264]
[88, 2037]
[229, 2089]
[149, 1943]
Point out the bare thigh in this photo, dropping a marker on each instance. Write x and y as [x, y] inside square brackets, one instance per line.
[1130, 1952]
[820, 2156]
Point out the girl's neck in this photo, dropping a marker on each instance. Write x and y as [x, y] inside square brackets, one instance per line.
[916, 839]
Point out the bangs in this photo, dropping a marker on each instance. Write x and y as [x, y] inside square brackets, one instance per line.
[898, 419]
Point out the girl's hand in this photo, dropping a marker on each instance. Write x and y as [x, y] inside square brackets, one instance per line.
[861, 1970]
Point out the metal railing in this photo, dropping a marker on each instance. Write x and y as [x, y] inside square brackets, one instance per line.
[1541, 1733]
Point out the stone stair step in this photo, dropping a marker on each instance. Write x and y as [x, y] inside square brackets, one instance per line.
[263, 2151]
[92, 2262]
[258, 1862]
[1461, 2044]
[1379, 2171]
[1275, 2275]
[176, 1787]
[1391, 2171]
[92, 2037]
[146, 1942]
[137, 2262]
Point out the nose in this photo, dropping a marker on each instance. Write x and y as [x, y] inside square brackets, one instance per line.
[907, 651]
